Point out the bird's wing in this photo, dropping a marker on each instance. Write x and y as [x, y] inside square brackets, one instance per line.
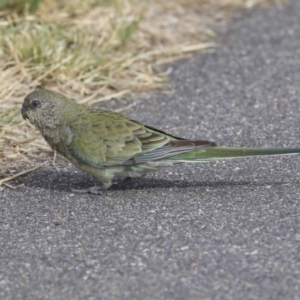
[103, 138]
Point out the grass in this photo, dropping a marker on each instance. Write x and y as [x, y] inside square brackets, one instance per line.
[92, 51]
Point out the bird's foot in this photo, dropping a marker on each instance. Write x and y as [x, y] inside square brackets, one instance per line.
[95, 190]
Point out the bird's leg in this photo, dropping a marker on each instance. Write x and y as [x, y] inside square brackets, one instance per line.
[123, 182]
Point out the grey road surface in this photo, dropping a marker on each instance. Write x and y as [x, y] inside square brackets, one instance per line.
[220, 230]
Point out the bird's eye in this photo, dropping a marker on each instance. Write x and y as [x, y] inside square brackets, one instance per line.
[35, 104]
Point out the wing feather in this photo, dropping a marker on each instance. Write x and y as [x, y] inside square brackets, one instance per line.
[102, 138]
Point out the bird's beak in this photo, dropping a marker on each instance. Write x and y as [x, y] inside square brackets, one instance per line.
[24, 112]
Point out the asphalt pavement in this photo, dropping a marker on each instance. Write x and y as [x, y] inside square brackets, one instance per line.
[219, 230]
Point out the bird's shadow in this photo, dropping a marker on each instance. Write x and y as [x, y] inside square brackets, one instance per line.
[65, 180]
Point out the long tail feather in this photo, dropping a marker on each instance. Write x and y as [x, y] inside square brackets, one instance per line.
[215, 153]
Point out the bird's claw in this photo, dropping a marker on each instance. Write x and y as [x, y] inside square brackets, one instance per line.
[95, 190]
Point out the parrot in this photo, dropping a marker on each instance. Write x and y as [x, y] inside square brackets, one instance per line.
[106, 144]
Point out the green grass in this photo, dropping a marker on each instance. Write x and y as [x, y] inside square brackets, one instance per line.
[72, 50]
[21, 6]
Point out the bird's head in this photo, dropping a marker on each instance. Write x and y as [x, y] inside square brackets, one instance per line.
[44, 108]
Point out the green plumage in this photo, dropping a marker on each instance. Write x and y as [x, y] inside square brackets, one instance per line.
[107, 144]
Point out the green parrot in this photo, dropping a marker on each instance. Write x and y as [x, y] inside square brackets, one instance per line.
[107, 144]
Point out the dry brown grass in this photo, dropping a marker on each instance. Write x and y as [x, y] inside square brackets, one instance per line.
[93, 51]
